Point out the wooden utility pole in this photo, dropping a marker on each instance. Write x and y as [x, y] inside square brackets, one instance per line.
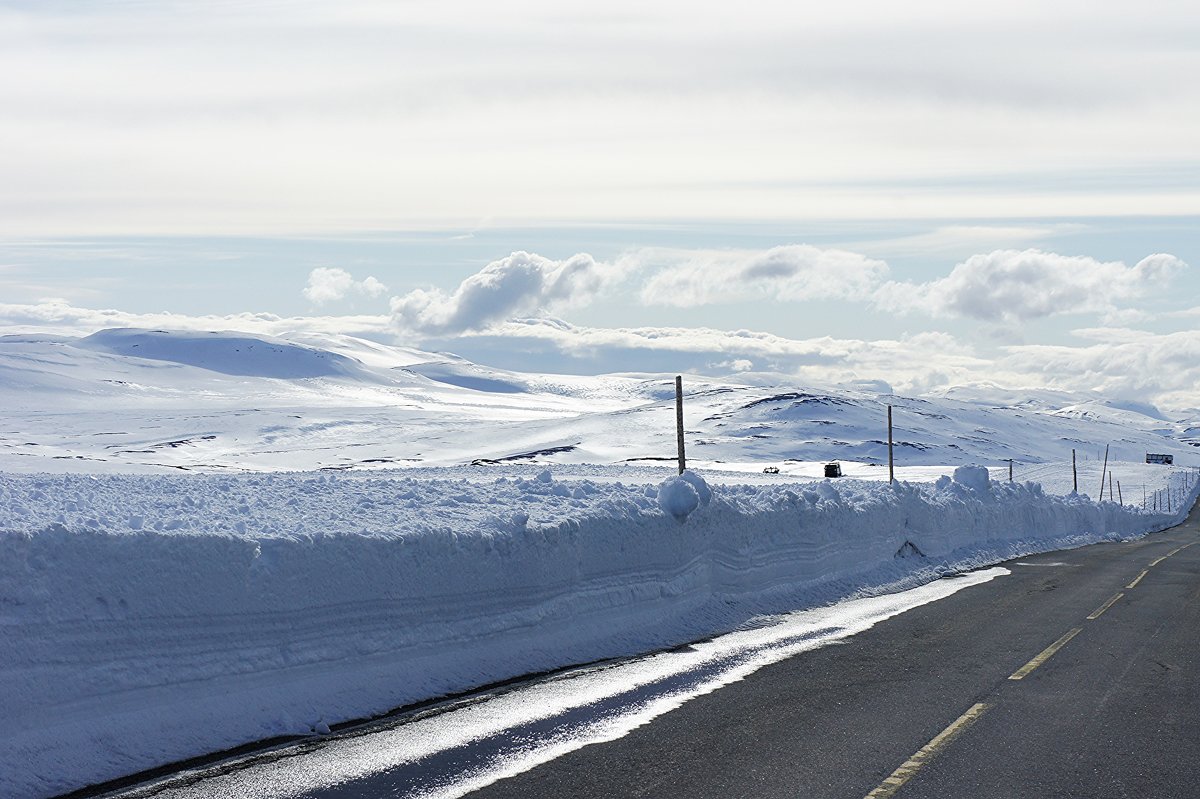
[679, 421]
[1103, 471]
[1120, 498]
[891, 457]
[1074, 471]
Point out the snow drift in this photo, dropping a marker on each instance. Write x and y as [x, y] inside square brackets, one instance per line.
[148, 619]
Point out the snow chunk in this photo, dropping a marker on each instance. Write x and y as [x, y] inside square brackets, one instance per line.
[697, 482]
[973, 477]
[678, 497]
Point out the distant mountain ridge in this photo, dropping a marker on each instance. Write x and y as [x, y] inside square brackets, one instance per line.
[152, 399]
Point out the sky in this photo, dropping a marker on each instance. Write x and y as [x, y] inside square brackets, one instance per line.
[922, 195]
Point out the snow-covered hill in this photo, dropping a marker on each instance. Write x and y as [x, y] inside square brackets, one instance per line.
[136, 400]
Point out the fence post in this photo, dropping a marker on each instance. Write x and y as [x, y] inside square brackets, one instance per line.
[679, 421]
[1103, 471]
[1074, 471]
[1120, 498]
[1110, 486]
[1010, 460]
[891, 457]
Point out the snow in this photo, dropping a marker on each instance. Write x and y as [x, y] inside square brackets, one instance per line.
[161, 401]
[150, 618]
[973, 477]
[678, 497]
[212, 539]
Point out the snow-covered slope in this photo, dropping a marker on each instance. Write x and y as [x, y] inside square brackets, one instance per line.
[136, 400]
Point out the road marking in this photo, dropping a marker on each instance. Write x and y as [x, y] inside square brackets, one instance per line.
[1138, 579]
[1044, 655]
[910, 767]
[1179, 549]
[1157, 561]
[1096, 613]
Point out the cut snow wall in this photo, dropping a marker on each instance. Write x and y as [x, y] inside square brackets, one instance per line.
[270, 604]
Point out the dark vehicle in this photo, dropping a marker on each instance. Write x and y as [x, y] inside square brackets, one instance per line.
[1166, 459]
[771, 470]
[833, 469]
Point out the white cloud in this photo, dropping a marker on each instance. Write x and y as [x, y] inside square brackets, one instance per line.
[790, 273]
[912, 363]
[327, 284]
[711, 111]
[1019, 285]
[966, 238]
[59, 316]
[1161, 369]
[1118, 363]
[371, 287]
[521, 283]
[736, 365]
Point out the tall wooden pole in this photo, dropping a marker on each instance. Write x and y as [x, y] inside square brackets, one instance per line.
[1103, 471]
[679, 421]
[1120, 498]
[1110, 486]
[1074, 471]
[891, 456]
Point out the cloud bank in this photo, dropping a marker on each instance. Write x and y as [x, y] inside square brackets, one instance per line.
[1020, 285]
[1119, 363]
[539, 112]
[326, 284]
[60, 317]
[794, 272]
[522, 283]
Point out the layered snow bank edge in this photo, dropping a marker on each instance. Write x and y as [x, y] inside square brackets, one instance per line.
[150, 619]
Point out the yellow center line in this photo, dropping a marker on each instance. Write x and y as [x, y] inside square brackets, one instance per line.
[1138, 579]
[1179, 549]
[910, 767]
[1096, 613]
[1044, 655]
[1157, 561]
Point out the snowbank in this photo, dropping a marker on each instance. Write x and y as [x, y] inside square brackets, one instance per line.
[147, 619]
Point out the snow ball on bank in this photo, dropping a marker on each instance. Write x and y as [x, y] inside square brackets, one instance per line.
[697, 482]
[545, 477]
[973, 477]
[679, 496]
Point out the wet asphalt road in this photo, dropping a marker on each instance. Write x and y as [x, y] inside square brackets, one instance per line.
[1113, 712]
